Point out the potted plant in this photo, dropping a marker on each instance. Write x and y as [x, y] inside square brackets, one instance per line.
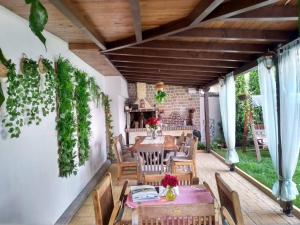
[152, 125]
[160, 96]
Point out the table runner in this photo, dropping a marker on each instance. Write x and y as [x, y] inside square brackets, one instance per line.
[188, 195]
[157, 140]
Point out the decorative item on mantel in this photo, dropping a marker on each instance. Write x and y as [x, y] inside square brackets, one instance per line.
[191, 116]
[152, 126]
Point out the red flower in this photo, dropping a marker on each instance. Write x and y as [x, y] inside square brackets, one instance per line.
[153, 122]
[169, 180]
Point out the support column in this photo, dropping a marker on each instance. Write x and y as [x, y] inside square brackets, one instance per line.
[206, 115]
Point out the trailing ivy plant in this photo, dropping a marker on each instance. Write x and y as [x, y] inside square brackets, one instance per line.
[66, 126]
[32, 98]
[109, 128]
[82, 96]
[49, 93]
[15, 108]
[38, 19]
[2, 98]
[95, 91]
[160, 96]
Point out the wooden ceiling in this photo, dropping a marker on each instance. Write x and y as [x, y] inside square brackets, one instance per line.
[190, 42]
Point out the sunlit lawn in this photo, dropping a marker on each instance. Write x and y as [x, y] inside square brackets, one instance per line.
[262, 171]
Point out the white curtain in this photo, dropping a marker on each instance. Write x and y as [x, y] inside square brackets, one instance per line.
[227, 107]
[289, 83]
[267, 85]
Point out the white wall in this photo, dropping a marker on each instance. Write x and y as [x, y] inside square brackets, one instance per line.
[116, 88]
[30, 190]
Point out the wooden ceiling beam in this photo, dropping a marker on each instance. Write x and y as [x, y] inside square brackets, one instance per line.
[207, 47]
[164, 79]
[154, 53]
[274, 13]
[203, 9]
[136, 17]
[120, 65]
[162, 71]
[183, 62]
[235, 7]
[79, 21]
[166, 82]
[236, 35]
[183, 76]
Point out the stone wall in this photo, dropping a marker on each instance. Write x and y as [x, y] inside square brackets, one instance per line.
[178, 101]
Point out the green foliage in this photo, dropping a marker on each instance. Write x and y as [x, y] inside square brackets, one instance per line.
[48, 95]
[66, 126]
[2, 98]
[32, 98]
[82, 96]
[109, 128]
[240, 108]
[38, 18]
[255, 90]
[160, 96]
[201, 146]
[95, 91]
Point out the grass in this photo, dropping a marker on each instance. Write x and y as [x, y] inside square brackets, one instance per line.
[262, 171]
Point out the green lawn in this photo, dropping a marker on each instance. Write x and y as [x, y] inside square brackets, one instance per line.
[262, 171]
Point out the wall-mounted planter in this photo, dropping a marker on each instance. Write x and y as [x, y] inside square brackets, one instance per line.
[160, 86]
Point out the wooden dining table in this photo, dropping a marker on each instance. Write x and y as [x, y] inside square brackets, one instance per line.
[197, 198]
[169, 143]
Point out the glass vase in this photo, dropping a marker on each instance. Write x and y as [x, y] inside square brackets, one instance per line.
[170, 195]
[153, 134]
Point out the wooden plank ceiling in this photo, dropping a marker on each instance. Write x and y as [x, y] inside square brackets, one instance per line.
[190, 42]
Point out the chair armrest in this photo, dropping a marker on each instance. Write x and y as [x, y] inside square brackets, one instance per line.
[114, 213]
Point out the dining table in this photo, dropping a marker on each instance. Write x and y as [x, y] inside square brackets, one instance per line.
[168, 141]
[191, 198]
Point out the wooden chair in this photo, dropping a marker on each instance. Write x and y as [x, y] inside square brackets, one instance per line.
[230, 200]
[151, 160]
[184, 179]
[180, 141]
[106, 210]
[127, 166]
[186, 162]
[225, 214]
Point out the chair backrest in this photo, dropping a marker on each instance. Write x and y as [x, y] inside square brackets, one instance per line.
[121, 140]
[117, 150]
[192, 149]
[150, 158]
[225, 214]
[184, 179]
[230, 200]
[103, 201]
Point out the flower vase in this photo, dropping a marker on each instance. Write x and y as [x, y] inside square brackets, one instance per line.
[153, 134]
[170, 195]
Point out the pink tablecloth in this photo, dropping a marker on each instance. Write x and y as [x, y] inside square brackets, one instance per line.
[188, 195]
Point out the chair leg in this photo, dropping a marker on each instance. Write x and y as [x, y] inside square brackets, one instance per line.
[119, 172]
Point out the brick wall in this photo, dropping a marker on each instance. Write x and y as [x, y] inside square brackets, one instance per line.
[178, 101]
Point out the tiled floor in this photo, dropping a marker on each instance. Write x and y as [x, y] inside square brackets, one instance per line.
[258, 209]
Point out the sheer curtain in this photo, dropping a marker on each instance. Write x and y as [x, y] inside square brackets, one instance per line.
[267, 85]
[227, 107]
[289, 80]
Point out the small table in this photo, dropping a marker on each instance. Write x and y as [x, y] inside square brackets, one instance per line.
[191, 198]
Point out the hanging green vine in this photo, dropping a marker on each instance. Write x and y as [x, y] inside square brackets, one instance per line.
[38, 18]
[109, 128]
[95, 91]
[82, 96]
[49, 93]
[66, 126]
[32, 98]
[2, 98]
[15, 108]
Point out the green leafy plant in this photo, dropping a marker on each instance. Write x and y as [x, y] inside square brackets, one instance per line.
[201, 146]
[2, 98]
[15, 108]
[95, 91]
[66, 126]
[38, 19]
[32, 98]
[48, 95]
[109, 128]
[160, 96]
[82, 96]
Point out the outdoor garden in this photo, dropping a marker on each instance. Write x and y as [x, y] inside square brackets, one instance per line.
[248, 85]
